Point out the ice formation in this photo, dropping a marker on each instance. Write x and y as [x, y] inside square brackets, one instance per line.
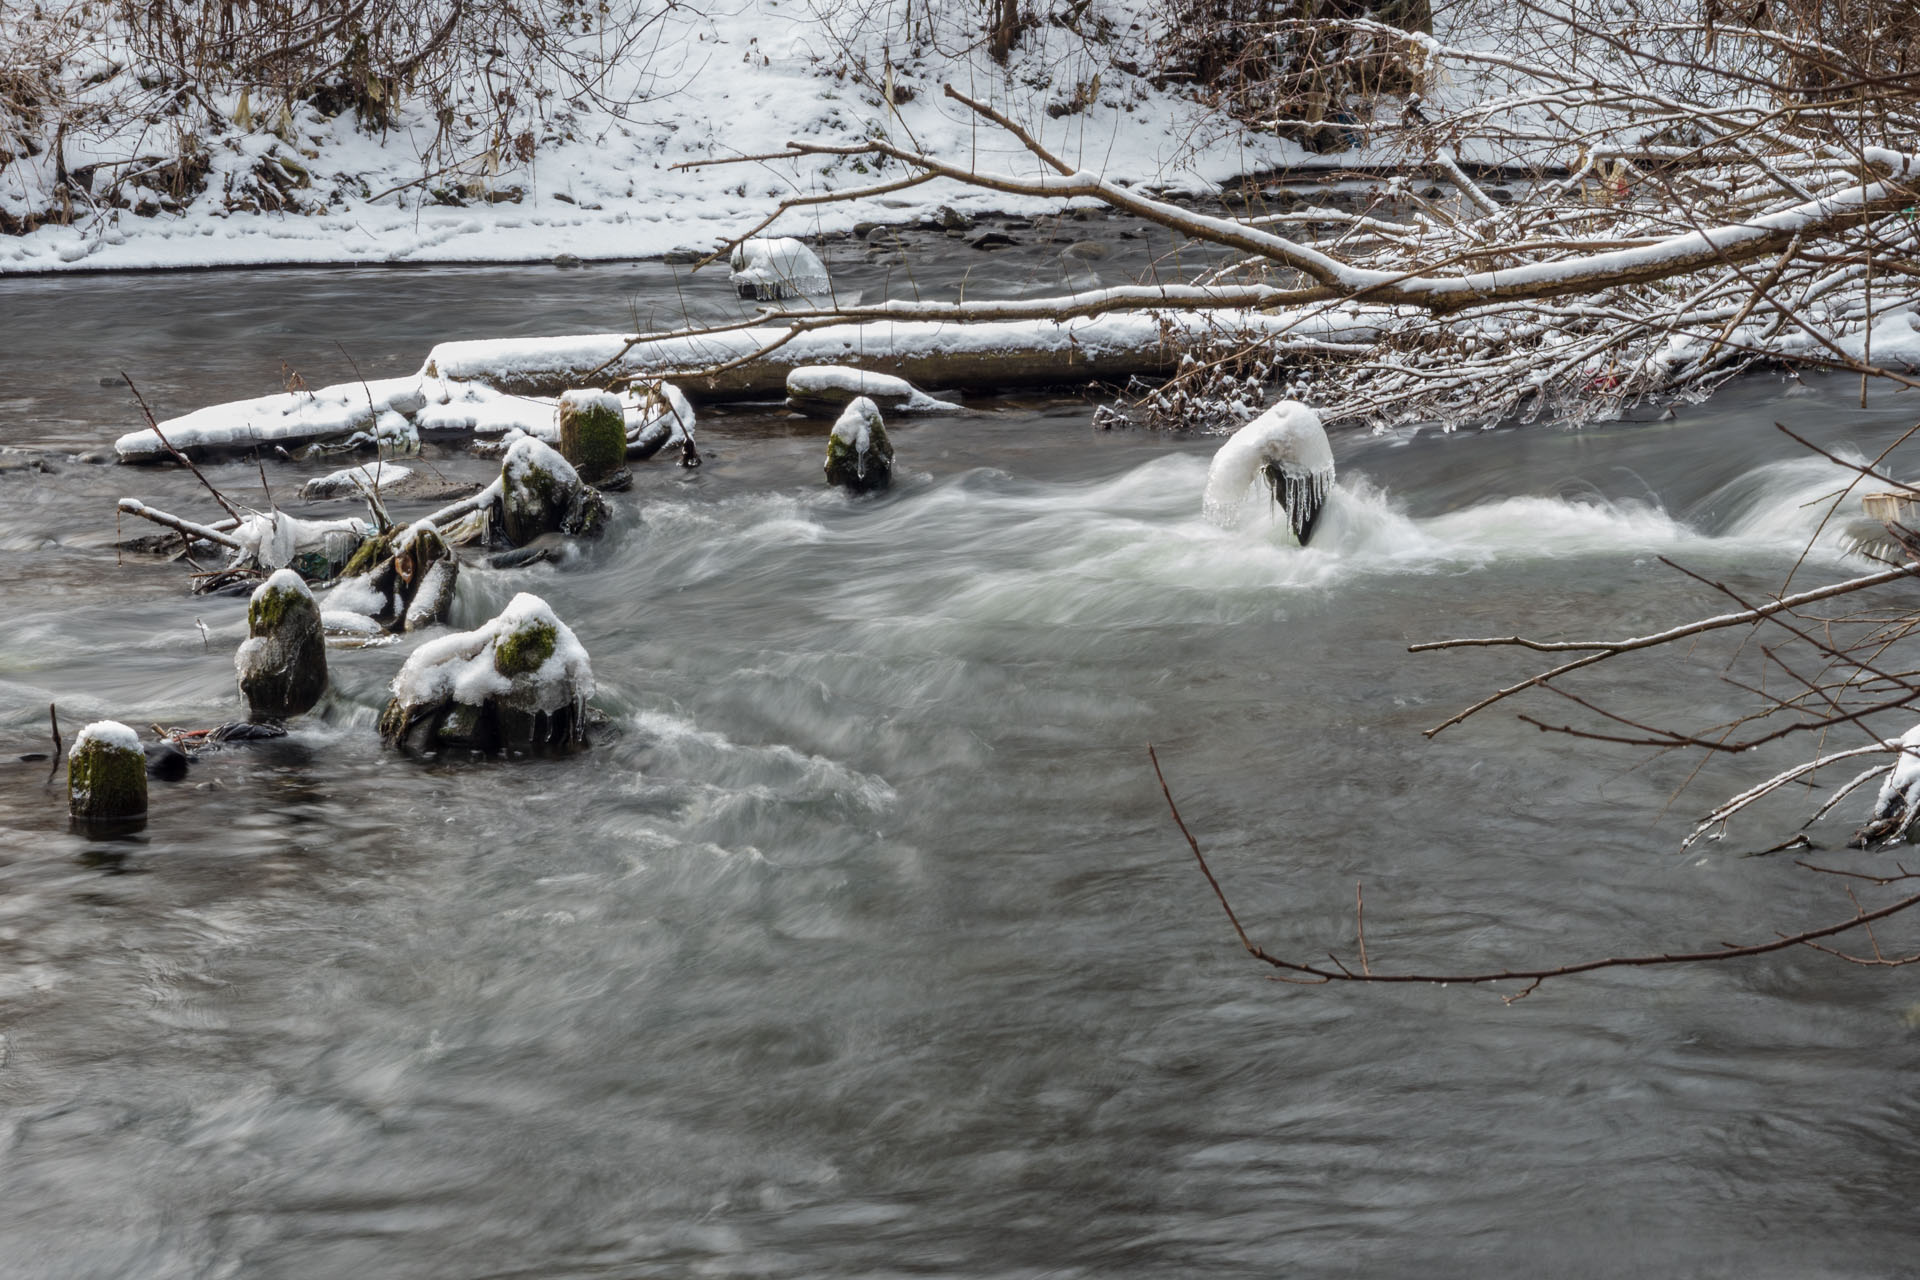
[1287, 447]
[772, 268]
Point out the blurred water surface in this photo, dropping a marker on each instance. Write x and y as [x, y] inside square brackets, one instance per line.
[862, 943]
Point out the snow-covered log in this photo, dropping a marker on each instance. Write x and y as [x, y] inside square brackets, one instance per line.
[986, 346]
[825, 390]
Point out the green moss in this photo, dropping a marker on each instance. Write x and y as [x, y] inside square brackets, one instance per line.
[105, 781]
[367, 555]
[593, 439]
[268, 609]
[524, 651]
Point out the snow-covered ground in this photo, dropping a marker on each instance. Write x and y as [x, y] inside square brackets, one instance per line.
[602, 182]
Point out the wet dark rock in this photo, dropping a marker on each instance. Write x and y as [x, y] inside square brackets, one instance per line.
[993, 240]
[165, 761]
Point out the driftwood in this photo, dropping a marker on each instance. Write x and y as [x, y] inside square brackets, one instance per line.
[198, 532]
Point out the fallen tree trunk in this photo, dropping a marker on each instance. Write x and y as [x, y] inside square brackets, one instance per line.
[947, 356]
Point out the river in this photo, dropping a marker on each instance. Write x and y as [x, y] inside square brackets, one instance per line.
[861, 943]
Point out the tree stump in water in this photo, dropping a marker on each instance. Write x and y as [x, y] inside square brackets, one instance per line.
[593, 435]
[106, 774]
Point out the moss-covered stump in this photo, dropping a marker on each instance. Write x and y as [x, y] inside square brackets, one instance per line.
[106, 774]
[593, 435]
[859, 455]
[540, 492]
[520, 683]
[282, 665]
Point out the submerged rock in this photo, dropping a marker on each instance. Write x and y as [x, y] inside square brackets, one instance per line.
[859, 455]
[106, 773]
[593, 435]
[519, 683]
[540, 492]
[282, 665]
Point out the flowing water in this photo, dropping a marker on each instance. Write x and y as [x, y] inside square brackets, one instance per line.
[861, 942]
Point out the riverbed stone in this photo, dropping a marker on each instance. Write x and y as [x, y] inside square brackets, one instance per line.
[106, 774]
[282, 664]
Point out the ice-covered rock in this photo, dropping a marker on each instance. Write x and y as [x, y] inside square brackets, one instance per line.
[540, 492]
[520, 682]
[106, 773]
[825, 390]
[770, 268]
[593, 435]
[282, 664]
[859, 455]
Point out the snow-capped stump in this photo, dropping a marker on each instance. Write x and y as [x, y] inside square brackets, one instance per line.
[282, 664]
[768, 269]
[106, 773]
[540, 492]
[825, 390]
[658, 415]
[519, 683]
[405, 584]
[1897, 806]
[593, 435]
[859, 455]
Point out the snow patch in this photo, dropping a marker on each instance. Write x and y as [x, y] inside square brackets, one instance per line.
[109, 733]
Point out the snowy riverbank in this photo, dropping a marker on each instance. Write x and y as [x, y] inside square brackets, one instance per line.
[599, 182]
